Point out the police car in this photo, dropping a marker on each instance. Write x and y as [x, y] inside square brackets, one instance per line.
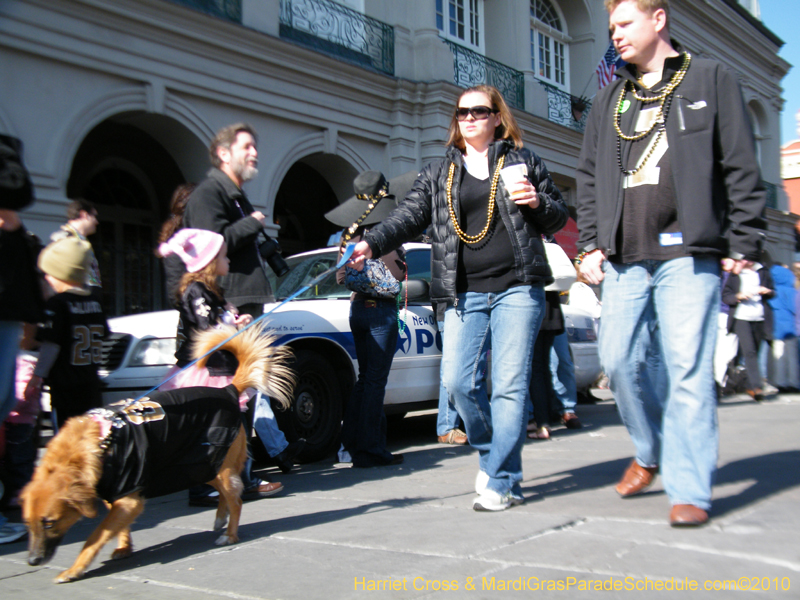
[316, 326]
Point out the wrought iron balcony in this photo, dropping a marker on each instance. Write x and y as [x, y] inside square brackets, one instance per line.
[471, 68]
[772, 194]
[339, 31]
[566, 109]
[225, 9]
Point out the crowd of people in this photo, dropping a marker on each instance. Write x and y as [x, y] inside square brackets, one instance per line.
[669, 197]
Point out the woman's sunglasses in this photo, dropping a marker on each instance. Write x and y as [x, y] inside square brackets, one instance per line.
[478, 112]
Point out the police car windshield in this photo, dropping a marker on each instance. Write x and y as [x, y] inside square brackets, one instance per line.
[304, 269]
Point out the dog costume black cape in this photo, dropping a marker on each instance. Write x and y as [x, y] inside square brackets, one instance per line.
[168, 441]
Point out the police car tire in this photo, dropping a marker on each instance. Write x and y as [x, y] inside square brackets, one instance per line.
[316, 413]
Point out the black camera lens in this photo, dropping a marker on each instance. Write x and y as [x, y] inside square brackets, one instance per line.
[270, 251]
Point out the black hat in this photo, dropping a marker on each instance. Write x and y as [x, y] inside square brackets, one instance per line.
[368, 186]
[16, 190]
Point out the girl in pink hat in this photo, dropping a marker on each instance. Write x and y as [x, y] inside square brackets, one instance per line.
[201, 305]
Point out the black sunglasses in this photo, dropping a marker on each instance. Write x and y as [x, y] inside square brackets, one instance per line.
[478, 112]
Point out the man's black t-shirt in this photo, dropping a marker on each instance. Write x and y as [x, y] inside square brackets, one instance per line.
[649, 228]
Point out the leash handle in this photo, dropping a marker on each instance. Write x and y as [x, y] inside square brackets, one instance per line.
[348, 252]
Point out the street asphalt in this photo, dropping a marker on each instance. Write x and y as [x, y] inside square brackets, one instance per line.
[409, 531]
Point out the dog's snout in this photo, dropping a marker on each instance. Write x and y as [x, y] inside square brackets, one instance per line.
[34, 561]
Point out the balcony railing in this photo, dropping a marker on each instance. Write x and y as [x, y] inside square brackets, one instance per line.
[471, 68]
[339, 31]
[772, 194]
[225, 9]
[566, 109]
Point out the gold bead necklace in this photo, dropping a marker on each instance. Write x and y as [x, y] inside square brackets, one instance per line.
[473, 239]
[661, 98]
[660, 120]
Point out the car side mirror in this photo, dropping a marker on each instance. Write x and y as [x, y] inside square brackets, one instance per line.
[418, 290]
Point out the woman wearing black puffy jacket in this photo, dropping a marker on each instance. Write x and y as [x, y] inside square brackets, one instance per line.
[489, 267]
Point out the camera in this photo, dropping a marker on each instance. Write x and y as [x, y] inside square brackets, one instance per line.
[270, 251]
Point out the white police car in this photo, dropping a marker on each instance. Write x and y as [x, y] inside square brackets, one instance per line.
[316, 326]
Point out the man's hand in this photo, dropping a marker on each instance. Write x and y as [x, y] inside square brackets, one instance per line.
[258, 216]
[592, 266]
[361, 252]
[33, 391]
[9, 220]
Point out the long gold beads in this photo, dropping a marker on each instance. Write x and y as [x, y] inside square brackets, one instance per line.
[660, 98]
[473, 239]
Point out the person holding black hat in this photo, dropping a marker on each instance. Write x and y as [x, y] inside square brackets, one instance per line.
[374, 319]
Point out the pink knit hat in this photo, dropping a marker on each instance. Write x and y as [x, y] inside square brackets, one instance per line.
[196, 247]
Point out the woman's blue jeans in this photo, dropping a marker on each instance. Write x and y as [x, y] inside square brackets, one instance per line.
[657, 347]
[508, 323]
[374, 327]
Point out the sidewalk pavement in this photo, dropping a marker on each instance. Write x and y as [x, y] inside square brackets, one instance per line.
[408, 531]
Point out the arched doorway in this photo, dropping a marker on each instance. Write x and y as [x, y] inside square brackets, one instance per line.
[311, 187]
[130, 177]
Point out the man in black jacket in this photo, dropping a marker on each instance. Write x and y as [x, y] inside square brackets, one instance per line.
[219, 204]
[668, 183]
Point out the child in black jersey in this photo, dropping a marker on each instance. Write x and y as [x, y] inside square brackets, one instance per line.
[71, 334]
[201, 305]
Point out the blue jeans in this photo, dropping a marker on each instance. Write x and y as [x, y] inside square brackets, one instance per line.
[543, 402]
[447, 418]
[508, 322]
[10, 336]
[20, 457]
[374, 327]
[657, 347]
[266, 427]
[563, 371]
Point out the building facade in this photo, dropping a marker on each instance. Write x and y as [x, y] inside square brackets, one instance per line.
[117, 100]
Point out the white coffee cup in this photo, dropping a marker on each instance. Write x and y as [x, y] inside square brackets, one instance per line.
[513, 176]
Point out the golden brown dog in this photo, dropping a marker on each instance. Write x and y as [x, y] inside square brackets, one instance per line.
[83, 464]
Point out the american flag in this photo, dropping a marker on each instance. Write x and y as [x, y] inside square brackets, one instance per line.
[610, 62]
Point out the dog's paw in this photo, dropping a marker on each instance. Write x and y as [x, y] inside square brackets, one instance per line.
[120, 553]
[226, 540]
[68, 575]
[220, 524]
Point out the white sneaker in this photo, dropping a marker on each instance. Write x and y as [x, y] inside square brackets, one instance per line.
[490, 500]
[481, 481]
[11, 532]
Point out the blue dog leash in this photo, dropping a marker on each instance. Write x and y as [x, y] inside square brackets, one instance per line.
[346, 254]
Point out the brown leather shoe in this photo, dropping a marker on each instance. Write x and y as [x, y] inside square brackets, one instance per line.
[636, 480]
[687, 515]
[454, 436]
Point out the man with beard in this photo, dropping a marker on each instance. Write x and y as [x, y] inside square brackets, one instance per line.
[219, 204]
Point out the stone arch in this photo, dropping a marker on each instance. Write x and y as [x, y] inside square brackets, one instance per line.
[135, 103]
[315, 174]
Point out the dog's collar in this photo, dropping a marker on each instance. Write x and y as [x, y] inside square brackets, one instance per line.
[108, 421]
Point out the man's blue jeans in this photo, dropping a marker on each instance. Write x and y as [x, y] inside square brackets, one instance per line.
[266, 427]
[658, 335]
[563, 371]
[10, 336]
[508, 323]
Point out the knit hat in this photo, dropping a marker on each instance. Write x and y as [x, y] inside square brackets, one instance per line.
[196, 247]
[67, 259]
